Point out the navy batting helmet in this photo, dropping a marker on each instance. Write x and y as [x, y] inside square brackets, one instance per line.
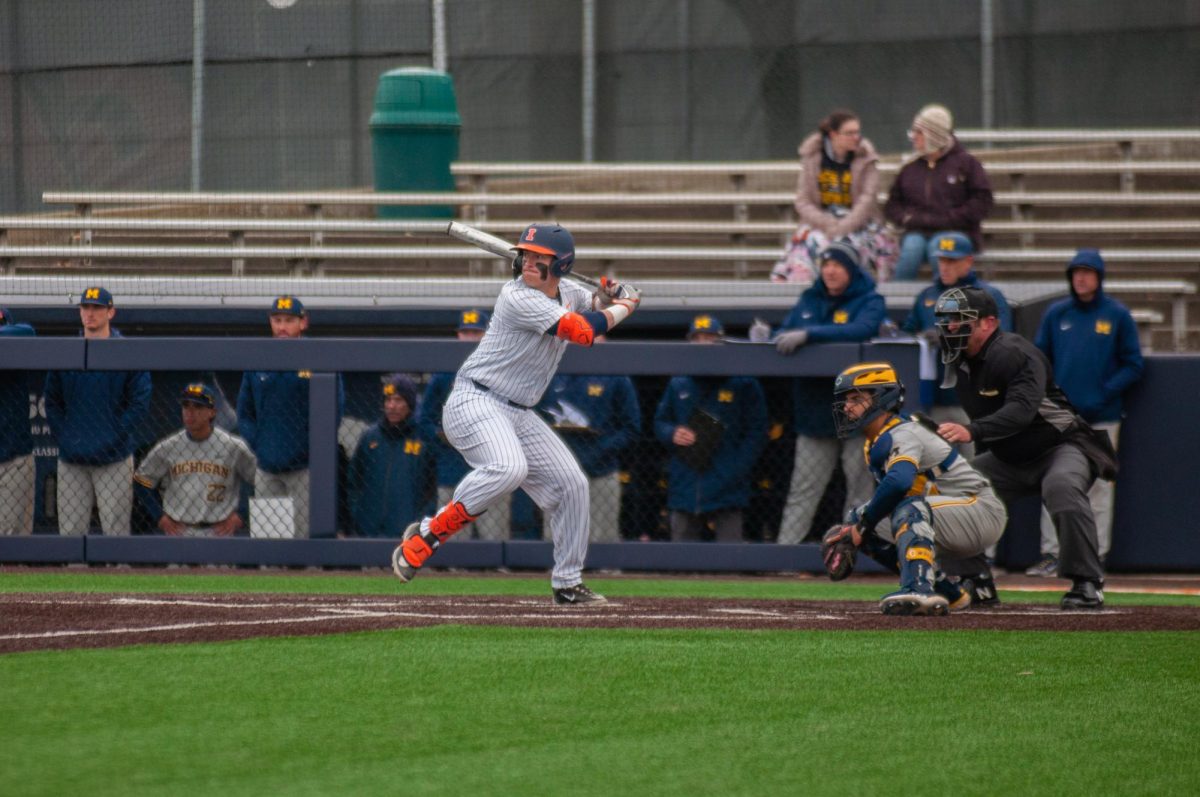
[549, 239]
[879, 381]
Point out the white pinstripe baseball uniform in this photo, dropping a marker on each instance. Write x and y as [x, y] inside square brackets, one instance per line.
[489, 419]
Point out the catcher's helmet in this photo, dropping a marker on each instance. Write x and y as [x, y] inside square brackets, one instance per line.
[877, 379]
[548, 239]
[960, 308]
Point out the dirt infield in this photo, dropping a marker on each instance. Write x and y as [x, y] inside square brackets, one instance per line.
[40, 621]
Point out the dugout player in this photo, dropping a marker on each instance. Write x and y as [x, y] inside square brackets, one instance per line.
[94, 416]
[929, 502]
[17, 471]
[273, 418]
[199, 471]
[490, 419]
[1034, 441]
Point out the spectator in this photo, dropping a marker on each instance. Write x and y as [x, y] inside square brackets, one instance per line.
[598, 417]
[836, 200]
[199, 469]
[955, 261]
[841, 307]
[390, 468]
[715, 428]
[273, 419]
[17, 471]
[1092, 344]
[942, 188]
[1035, 443]
[94, 416]
[451, 467]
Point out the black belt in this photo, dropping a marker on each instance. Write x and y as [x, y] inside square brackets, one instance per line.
[509, 402]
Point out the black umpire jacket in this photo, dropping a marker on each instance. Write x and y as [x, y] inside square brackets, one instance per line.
[1016, 410]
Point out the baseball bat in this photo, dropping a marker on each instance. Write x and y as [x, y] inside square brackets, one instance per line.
[497, 246]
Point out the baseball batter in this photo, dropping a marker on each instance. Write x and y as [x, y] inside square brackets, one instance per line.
[929, 498]
[200, 470]
[489, 416]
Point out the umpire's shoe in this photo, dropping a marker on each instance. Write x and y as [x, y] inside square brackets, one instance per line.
[400, 565]
[911, 602]
[578, 595]
[983, 591]
[1084, 594]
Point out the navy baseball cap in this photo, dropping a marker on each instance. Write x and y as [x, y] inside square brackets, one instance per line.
[952, 246]
[287, 305]
[473, 319]
[705, 323]
[98, 296]
[198, 393]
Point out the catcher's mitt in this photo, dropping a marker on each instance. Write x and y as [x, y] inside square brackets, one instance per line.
[838, 552]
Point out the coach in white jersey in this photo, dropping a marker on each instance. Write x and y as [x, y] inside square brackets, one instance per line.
[928, 497]
[199, 469]
[489, 415]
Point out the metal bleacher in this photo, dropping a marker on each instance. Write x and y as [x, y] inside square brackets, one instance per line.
[1134, 193]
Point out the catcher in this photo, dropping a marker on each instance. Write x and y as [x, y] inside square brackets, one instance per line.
[928, 501]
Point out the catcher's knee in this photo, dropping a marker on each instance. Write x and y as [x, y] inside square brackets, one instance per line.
[913, 515]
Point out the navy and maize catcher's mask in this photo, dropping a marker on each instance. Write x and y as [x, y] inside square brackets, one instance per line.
[876, 380]
[546, 239]
[957, 311]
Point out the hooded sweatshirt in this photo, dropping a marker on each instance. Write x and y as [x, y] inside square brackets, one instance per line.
[1094, 350]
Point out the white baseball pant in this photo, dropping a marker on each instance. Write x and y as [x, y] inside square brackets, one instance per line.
[816, 457]
[509, 447]
[108, 487]
[294, 485]
[16, 495]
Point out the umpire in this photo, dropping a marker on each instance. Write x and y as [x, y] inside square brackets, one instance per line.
[1034, 440]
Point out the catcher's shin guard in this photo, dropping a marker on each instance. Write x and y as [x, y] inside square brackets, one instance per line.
[916, 594]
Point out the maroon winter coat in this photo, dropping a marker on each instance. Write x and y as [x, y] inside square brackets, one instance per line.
[952, 194]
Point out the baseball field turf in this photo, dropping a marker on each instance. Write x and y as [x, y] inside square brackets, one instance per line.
[455, 707]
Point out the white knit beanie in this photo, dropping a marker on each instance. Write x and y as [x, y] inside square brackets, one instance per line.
[937, 124]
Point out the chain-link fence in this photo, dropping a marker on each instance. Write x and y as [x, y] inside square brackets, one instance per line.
[272, 94]
[226, 454]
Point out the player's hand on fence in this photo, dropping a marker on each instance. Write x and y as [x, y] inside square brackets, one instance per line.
[171, 527]
[684, 436]
[760, 331]
[228, 526]
[788, 342]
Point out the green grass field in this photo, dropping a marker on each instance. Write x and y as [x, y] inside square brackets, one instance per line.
[475, 710]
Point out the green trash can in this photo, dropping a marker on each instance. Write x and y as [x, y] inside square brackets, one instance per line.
[414, 137]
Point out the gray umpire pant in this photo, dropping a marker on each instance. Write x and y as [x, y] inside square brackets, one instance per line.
[16, 495]
[1062, 476]
[1101, 498]
[108, 487]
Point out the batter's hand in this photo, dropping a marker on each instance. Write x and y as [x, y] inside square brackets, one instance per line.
[954, 433]
[684, 436]
[607, 292]
[228, 526]
[171, 527]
